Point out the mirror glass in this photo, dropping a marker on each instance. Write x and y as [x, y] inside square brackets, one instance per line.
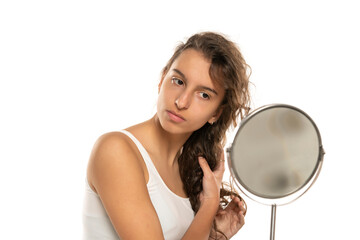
[276, 151]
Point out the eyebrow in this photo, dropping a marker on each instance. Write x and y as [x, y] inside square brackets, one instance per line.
[203, 87]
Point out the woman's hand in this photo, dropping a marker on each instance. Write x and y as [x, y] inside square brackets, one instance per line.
[231, 219]
[200, 227]
[211, 181]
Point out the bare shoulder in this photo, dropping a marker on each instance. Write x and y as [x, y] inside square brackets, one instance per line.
[112, 143]
[113, 151]
[116, 174]
[112, 139]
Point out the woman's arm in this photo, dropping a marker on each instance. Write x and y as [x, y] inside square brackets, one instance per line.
[116, 173]
[209, 198]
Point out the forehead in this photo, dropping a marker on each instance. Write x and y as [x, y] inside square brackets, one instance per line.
[194, 65]
[191, 58]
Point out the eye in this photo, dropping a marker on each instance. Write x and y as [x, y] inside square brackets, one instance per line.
[177, 81]
[204, 95]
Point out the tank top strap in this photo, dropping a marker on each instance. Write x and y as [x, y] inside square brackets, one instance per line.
[145, 155]
[155, 180]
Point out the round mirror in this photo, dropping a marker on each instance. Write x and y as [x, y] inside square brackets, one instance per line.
[276, 154]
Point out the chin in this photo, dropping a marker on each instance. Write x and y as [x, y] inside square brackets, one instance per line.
[173, 128]
[178, 128]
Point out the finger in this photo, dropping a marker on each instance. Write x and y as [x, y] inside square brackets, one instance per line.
[220, 158]
[205, 167]
[220, 168]
[238, 222]
[241, 219]
[232, 205]
[219, 172]
[220, 212]
[236, 206]
[242, 207]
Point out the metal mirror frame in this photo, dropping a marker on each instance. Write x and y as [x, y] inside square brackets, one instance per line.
[273, 202]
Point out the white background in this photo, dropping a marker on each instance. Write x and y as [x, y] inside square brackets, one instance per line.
[72, 70]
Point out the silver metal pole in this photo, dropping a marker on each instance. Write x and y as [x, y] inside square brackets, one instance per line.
[273, 218]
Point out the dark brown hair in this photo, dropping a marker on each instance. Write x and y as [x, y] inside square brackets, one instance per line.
[229, 69]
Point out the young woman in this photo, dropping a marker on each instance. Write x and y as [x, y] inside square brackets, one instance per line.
[161, 179]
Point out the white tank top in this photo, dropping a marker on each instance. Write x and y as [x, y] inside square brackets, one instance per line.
[175, 212]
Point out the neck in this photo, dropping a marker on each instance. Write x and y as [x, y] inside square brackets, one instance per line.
[170, 143]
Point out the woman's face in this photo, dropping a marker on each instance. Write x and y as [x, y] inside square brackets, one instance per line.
[188, 98]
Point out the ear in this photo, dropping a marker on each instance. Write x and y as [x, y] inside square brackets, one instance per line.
[216, 115]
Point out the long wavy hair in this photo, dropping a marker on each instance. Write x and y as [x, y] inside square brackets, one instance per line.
[229, 69]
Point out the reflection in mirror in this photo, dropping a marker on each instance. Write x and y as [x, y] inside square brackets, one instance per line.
[276, 152]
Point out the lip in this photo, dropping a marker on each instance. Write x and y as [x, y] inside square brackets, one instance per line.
[175, 117]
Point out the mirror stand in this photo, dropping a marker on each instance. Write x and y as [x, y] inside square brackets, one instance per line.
[273, 219]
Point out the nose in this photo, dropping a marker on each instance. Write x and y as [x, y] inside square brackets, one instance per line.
[183, 101]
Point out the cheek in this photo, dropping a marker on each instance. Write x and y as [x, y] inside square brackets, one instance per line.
[201, 114]
[204, 109]
[160, 100]
[168, 93]
[164, 97]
